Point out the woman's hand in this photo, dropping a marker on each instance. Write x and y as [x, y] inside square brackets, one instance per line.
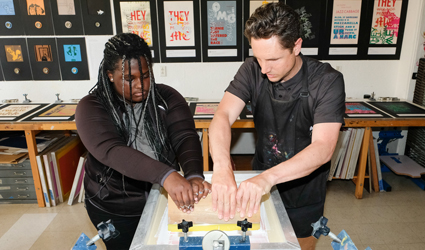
[180, 191]
[200, 187]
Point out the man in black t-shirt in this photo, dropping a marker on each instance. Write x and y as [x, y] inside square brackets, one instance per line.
[298, 107]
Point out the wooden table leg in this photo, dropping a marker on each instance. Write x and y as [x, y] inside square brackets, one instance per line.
[32, 153]
[362, 164]
[374, 174]
[205, 151]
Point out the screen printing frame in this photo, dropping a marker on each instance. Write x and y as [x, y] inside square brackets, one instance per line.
[149, 221]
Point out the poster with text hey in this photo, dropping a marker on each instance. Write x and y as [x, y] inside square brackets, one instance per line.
[385, 22]
[179, 26]
[222, 23]
[136, 19]
[345, 21]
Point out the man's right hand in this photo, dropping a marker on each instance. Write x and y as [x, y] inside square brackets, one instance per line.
[224, 192]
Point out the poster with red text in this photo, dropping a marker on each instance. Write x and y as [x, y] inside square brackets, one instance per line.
[222, 23]
[345, 21]
[179, 26]
[136, 19]
[385, 22]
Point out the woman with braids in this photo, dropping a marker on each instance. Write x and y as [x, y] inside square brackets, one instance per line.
[137, 133]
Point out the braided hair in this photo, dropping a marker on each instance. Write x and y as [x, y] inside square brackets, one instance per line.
[124, 47]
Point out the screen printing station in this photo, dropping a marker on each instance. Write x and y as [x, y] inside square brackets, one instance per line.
[157, 229]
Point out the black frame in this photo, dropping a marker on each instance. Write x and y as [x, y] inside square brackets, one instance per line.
[37, 67]
[383, 115]
[60, 20]
[8, 67]
[66, 67]
[154, 25]
[89, 21]
[205, 30]
[16, 118]
[364, 35]
[16, 21]
[197, 35]
[39, 112]
[382, 106]
[30, 20]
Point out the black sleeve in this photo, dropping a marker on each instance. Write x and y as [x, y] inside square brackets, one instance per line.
[181, 131]
[243, 82]
[101, 138]
[331, 100]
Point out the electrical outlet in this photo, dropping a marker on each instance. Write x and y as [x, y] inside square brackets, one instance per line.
[163, 71]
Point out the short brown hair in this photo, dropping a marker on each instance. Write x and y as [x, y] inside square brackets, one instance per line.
[274, 19]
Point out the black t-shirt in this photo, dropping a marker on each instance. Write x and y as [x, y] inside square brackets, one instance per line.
[326, 88]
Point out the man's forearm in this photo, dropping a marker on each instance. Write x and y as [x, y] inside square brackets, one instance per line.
[302, 164]
[219, 140]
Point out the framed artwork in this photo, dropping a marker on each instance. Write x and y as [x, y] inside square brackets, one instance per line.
[222, 30]
[55, 112]
[14, 59]
[17, 111]
[37, 17]
[400, 109]
[73, 58]
[387, 24]
[67, 16]
[139, 17]
[10, 18]
[362, 110]
[203, 109]
[44, 58]
[312, 24]
[97, 19]
[179, 27]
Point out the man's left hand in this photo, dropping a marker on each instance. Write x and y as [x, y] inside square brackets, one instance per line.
[250, 192]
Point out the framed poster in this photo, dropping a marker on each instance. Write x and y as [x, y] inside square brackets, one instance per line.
[203, 109]
[248, 8]
[10, 18]
[14, 59]
[73, 58]
[37, 17]
[386, 31]
[362, 110]
[55, 112]
[222, 30]
[179, 31]
[139, 17]
[17, 111]
[312, 24]
[97, 17]
[400, 109]
[1, 73]
[44, 58]
[67, 17]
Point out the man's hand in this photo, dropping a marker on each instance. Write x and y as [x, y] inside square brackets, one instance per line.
[180, 191]
[200, 188]
[224, 193]
[250, 192]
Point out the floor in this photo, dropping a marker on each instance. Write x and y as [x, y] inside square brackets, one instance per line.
[383, 221]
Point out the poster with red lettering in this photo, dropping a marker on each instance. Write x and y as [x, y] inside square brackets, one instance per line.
[346, 21]
[222, 23]
[385, 22]
[179, 23]
[136, 19]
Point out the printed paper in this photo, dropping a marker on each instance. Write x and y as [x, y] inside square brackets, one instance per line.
[222, 23]
[179, 26]
[385, 22]
[136, 19]
[346, 21]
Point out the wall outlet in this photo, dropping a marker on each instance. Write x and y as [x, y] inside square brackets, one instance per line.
[163, 71]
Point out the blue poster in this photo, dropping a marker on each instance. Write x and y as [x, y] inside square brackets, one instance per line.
[72, 52]
[222, 23]
[7, 8]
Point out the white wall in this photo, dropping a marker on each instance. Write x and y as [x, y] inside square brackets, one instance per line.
[208, 80]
